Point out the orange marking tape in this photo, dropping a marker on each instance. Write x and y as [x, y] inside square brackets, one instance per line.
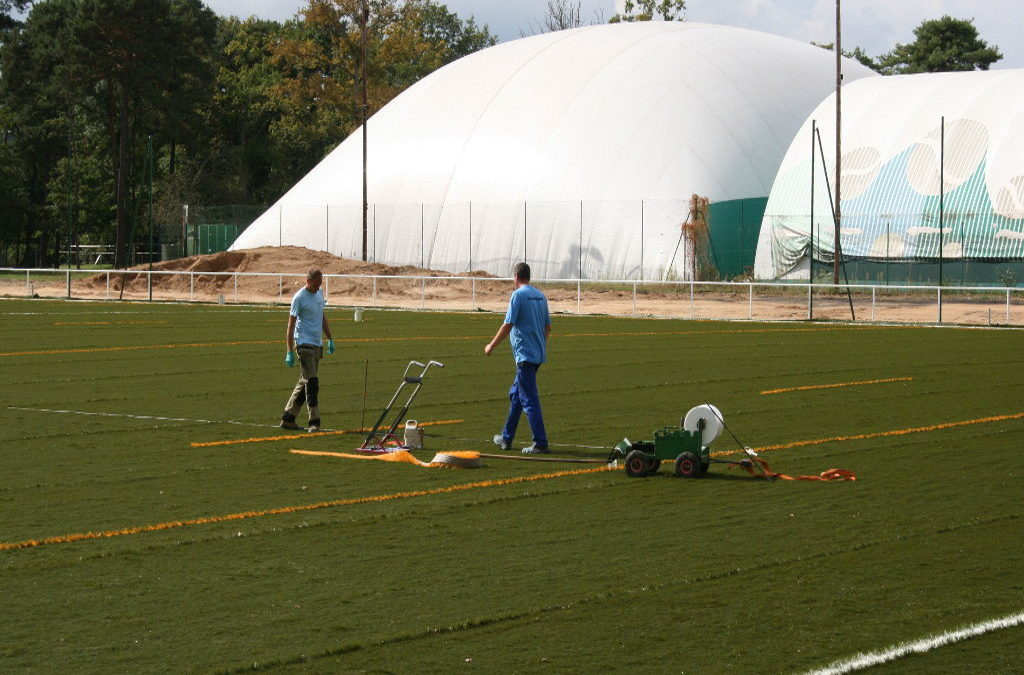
[833, 386]
[399, 456]
[137, 347]
[107, 323]
[157, 527]
[877, 434]
[312, 434]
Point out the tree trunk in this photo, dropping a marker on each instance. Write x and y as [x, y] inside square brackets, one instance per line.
[121, 173]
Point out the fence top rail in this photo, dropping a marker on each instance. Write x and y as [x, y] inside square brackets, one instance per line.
[643, 282]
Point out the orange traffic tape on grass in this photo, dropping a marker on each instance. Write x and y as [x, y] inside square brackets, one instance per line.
[157, 527]
[835, 386]
[457, 459]
[311, 434]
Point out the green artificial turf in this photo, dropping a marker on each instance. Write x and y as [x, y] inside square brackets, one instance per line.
[296, 567]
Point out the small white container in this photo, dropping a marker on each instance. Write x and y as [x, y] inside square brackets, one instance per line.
[413, 435]
[358, 314]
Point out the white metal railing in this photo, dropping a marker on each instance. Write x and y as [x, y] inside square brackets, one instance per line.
[682, 299]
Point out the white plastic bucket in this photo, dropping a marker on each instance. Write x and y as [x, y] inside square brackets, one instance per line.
[413, 435]
[358, 314]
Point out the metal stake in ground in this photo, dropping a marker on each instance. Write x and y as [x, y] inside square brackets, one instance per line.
[750, 453]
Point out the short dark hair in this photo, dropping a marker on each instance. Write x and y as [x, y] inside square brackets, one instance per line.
[522, 271]
[314, 273]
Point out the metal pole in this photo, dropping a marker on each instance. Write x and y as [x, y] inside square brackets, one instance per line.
[363, 19]
[641, 240]
[810, 270]
[839, 143]
[422, 240]
[149, 161]
[471, 246]
[942, 193]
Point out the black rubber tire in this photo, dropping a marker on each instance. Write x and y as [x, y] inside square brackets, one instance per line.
[655, 464]
[687, 465]
[637, 464]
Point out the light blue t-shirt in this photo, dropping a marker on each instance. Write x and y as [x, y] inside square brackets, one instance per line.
[308, 308]
[528, 314]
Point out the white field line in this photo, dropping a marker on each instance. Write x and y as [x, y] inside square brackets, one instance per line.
[140, 417]
[867, 660]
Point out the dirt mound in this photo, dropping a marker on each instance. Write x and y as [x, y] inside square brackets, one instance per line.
[213, 273]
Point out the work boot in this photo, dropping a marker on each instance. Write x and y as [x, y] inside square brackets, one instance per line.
[500, 441]
[288, 422]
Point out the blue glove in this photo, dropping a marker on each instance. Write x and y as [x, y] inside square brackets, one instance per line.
[289, 359]
[330, 346]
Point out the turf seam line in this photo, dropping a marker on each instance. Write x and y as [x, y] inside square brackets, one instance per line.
[410, 338]
[139, 417]
[156, 527]
[901, 650]
[311, 434]
[607, 596]
[808, 387]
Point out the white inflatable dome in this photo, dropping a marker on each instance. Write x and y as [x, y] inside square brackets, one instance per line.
[576, 151]
[900, 134]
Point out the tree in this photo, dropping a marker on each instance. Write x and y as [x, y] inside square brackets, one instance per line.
[941, 45]
[319, 62]
[857, 53]
[130, 54]
[560, 15]
[646, 10]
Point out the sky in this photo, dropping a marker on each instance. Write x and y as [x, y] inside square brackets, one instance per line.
[874, 25]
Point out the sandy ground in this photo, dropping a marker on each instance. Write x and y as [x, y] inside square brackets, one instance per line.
[270, 275]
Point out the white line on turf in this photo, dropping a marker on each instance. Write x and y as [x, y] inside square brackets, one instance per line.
[140, 417]
[898, 651]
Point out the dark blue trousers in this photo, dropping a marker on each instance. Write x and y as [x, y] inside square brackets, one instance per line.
[524, 397]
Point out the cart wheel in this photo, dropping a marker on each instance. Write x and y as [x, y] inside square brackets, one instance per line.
[655, 464]
[637, 464]
[687, 465]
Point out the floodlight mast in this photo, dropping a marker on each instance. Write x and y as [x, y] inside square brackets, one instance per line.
[363, 20]
[837, 247]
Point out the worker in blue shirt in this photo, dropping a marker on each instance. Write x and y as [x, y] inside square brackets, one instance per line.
[306, 323]
[527, 325]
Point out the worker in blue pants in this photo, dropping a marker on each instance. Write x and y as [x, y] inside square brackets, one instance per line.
[527, 325]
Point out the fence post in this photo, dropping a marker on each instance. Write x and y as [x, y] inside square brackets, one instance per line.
[28, 283]
[149, 281]
[810, 304]
[939, 302]
[750, 300]
[634, 297]
[374, 298]
[691, 298]
[873, 289]
[579, 289]
[236, 287]
[106, 294]
[474, 295]
[69, 277]
[423, 292]
[191, 287]
[1007, 306]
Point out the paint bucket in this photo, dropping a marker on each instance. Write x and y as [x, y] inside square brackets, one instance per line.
[413, 435]
[358, 314]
